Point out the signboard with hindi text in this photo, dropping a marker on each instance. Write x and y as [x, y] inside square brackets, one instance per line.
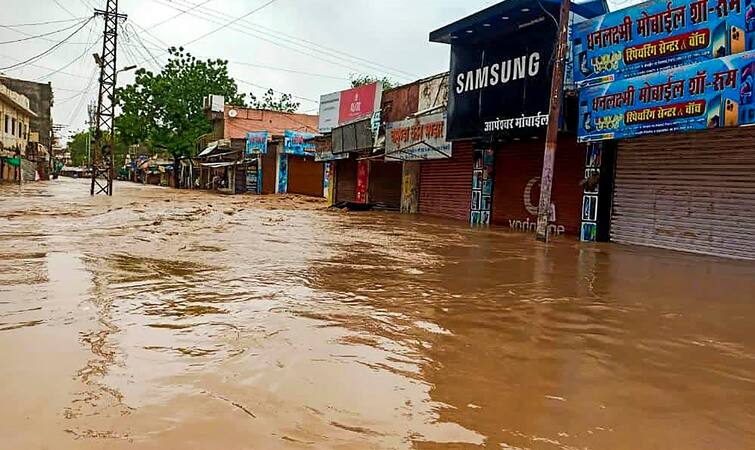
[710, 94]
[658, 35]
[256, 142]
[417, 139]
[298, 143]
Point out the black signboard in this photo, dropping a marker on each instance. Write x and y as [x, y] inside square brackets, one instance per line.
[501, 86]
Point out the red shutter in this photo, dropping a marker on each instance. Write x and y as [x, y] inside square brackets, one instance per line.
[445, 188]
[519, 165]
[385, 184]
[346, 180]
[305, 176]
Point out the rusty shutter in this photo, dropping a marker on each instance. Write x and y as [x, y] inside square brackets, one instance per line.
[305, 176]
[269, 168]
[445, 185]
[385, 184]
[693, 192]
[516, 189]
[346, 180]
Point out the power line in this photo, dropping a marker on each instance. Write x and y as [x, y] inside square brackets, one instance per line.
[48, 51]
[180, 14]
[304, 50]
[38, 36]
[270, 2]
[317, 47]
[64, 8]
[50, 22]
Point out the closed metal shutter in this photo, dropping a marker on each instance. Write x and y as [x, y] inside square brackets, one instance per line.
[385, 184]
[269, 168]
[445, 185]
[692, 192]
[516, 187]
[305, 176]
[346, 180]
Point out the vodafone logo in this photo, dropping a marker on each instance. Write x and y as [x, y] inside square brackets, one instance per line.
[528, 205]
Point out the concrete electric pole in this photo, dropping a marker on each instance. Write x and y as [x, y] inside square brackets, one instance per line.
[557, 85]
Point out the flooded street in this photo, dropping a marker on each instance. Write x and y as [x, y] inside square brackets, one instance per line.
[163, 319]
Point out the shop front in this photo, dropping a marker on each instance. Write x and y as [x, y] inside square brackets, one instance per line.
[498, 102]
[298, 172]
[674, 139]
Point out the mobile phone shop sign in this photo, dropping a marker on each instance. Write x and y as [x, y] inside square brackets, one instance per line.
[657, 35]
[711, 94]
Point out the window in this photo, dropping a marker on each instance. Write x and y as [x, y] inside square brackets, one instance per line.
[13, 126]
[7, 124]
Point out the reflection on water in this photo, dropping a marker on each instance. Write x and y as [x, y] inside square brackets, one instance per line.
[165, 319]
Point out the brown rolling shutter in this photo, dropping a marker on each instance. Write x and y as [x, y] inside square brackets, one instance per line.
[519, 164]
[346, 180]
[305, 176]
[269, 167]
[385, 184]
[445, 188]
[693, 192]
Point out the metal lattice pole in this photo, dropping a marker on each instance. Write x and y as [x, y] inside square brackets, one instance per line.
[104, 133]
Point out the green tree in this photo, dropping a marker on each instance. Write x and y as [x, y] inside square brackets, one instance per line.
[362, 80]
[164, 110]
[78, 148]
[283, 103]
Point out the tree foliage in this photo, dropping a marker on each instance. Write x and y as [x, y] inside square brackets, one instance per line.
[164, 110]
[362, 80]
[78, 149]
[283, 102]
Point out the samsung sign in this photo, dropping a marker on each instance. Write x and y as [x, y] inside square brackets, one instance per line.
[504, 72]
[501, 85]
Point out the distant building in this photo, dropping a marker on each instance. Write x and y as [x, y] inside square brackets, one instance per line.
[40, 100]
[15, 118]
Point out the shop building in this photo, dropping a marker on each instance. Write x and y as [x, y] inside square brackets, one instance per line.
[15, 119]
[498, 102]
[670, 138]
[282, 162]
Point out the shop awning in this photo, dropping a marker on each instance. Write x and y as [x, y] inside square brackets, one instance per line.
[215, 165]
[210, 148]
[508, 17]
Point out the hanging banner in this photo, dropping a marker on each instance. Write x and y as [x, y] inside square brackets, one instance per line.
[256, 142]
[657, 35]
[711, 94]
[324, 150]
[417, 139]
[297, 143]
[282, 173]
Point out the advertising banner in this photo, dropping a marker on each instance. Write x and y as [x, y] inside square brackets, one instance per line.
[417, 139]
[502, 86]
[711, 94]
[297, 143]
[256, 142]
[359, 103]
[330, 105]
[657, 35]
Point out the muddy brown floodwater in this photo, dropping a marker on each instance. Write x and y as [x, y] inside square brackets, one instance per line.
[163, 319]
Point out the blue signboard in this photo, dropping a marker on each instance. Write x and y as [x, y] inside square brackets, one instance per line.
[297, 143]
[256, 142]
[711, 94]
[658, 35]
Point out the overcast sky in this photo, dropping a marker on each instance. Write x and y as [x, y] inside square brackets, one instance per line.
[303, 47]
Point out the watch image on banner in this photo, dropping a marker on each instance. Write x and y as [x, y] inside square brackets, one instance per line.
[658, 35]
[256, 142]
[711, 94]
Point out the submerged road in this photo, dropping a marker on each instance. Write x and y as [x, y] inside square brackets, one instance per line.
[163, 319]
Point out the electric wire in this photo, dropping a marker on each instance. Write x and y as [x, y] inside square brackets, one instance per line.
[270, 2]
[38, 36]
[49, 22]
[48, 51]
